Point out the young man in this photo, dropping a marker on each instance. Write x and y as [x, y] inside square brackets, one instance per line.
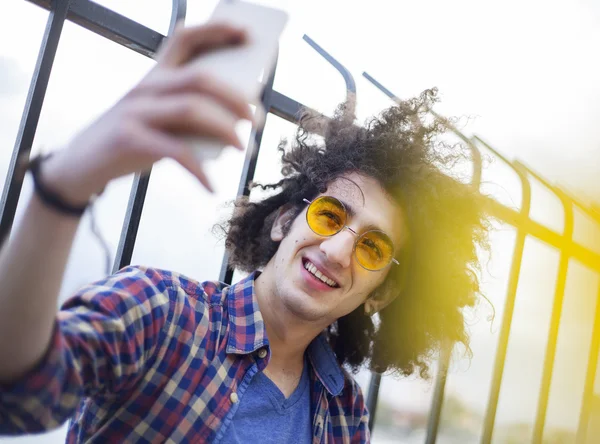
[366, 223]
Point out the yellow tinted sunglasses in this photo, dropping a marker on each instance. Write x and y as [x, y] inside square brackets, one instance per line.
[373, 249]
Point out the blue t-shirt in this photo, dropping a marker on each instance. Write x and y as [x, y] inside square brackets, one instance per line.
[264, 415]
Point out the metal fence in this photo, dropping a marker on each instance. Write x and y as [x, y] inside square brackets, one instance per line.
[141, 39]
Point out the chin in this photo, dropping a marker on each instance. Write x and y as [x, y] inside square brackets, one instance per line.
[304, 307]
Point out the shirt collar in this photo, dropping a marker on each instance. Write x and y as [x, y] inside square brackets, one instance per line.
[247, 334]
[325, 365]
[246, 325]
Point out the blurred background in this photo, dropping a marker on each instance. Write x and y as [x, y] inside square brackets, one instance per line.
[522, 75]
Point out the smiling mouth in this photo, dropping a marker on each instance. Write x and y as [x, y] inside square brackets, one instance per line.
[312, 269]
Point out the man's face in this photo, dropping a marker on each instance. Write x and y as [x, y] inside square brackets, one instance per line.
[305, 295]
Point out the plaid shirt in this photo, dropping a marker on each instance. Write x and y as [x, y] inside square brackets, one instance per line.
[151, 356]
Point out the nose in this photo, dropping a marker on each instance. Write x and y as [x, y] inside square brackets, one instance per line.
[338, 248]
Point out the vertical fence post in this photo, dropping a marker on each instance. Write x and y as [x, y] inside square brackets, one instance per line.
[226, 273]
[31, 114]
[372, 398]
[590, 377]
[435, 414]
[131, 221]
[559, 295]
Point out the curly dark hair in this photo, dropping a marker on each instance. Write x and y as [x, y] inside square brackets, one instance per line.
[403, 150]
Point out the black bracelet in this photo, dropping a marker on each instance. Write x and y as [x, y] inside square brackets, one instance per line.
[49, 197]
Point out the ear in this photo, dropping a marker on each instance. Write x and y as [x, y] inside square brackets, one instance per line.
[389, 290]
[377, 303]
[285, 216]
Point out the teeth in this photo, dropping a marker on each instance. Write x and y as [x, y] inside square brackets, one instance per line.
[313, 270]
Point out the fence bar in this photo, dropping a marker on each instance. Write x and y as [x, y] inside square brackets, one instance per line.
[437, 402]
[178, 12]
[559, 294]
[372, 397]
[31, 114]
[131, 222]
[288, 109]
[139, 187]
[226, 273]
[350, 83]
[509, 306]
[542, 407]
[590, 377]
[112, 25]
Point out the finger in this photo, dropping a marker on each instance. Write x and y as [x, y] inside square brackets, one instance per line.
[197, 171]
[192, 115]
[189, 42]
[188, 160]
[188, 79]
[159, 145]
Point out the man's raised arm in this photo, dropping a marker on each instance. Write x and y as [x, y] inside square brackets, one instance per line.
[145, 126]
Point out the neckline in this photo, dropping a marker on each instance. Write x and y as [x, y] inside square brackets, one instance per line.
[279, 401]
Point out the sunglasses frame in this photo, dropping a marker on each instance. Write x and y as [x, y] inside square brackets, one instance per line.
[346, 227]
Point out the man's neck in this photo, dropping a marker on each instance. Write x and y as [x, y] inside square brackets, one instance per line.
[288, 335]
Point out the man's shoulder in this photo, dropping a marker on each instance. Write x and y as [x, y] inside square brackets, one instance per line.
[168, 280]
[138, 285]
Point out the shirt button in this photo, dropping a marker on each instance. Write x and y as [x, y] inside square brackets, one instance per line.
[234, 398]
[262, 353]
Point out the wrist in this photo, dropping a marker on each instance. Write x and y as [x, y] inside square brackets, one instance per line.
[69, 183]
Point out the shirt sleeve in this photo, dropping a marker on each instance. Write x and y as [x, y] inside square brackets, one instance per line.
[102, 339]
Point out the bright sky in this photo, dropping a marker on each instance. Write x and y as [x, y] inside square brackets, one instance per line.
[525, 72]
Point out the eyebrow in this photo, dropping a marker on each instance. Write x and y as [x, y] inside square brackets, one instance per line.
[352, 212]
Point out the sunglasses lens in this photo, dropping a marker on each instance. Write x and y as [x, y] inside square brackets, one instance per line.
[326, 216]
[374, 250]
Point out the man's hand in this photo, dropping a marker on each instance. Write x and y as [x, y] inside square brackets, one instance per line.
[148, 124]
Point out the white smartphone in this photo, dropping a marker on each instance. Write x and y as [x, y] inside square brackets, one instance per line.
[241, 66]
